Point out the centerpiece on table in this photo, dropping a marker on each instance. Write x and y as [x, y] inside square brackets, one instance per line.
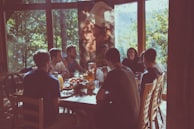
[79, 85]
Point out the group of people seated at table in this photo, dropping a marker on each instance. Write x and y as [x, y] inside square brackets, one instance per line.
[40, 83]
[118, 100]
[119, 97]
[64, 66]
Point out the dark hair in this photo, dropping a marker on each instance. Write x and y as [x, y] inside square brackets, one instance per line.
[41, 58]
[136, 55]
[113, 55]
[150, 55]
[53, 52]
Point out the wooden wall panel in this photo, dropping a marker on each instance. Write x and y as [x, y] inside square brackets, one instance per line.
[180, 106]
[3, 57]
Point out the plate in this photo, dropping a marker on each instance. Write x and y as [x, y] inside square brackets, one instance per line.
[68, 88]
[75, 80]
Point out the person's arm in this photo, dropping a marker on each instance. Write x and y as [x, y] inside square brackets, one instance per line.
[100, 95]
[124, 62]
[63, 70]
[79, 67]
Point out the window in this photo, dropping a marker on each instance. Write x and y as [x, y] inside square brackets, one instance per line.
[65, 28]
[32, 1]
[27, 29]
[125, 27]
[60, 1]
[26, 32]
[157, 28]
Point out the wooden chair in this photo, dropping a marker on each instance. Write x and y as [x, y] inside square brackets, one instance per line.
[143, 122]
[21, 114]
[12, 83]
[9, 84]
[155, 102]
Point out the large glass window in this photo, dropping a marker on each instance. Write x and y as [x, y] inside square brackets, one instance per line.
[125, 27]
[59, 1]
[26, 32]
[13, 2]
[32, 1]
[65, 28]
[157, 28]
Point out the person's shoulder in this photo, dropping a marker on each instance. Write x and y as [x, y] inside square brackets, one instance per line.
[52, 78]
[148, 73]
[29, 74]
[152, 73]
[126, 69]
[160, 68]
[124, 60]
[52, 82]
[120, 70]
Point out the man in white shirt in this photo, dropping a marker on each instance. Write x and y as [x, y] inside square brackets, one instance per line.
[56, 63]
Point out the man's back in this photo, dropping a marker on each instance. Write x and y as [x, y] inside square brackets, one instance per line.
[124, 97]
[149, 76]
[39, 84]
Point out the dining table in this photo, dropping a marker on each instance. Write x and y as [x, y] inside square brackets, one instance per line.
[81, 105]
[68, 98]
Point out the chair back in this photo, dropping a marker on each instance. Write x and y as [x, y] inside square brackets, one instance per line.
[143, 122]
[12, 82]
[154, 102]
[160, 83]
[22, 113]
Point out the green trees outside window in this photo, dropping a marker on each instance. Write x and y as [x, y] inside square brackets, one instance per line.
[26, 31]
[156, 27]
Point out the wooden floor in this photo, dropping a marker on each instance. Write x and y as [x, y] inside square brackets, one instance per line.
[6, 117]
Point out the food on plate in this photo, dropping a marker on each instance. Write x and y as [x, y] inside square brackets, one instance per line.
[75, 80]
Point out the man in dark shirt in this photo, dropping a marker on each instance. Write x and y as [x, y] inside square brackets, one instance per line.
[71, 61]
[153, 69]
[120, 95]
[40, 84]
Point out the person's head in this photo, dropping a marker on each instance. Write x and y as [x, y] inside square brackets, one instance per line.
[42, 59]
[55, 54]
[132, 53]
[149, 57]
[113, 56]
[71, 51]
